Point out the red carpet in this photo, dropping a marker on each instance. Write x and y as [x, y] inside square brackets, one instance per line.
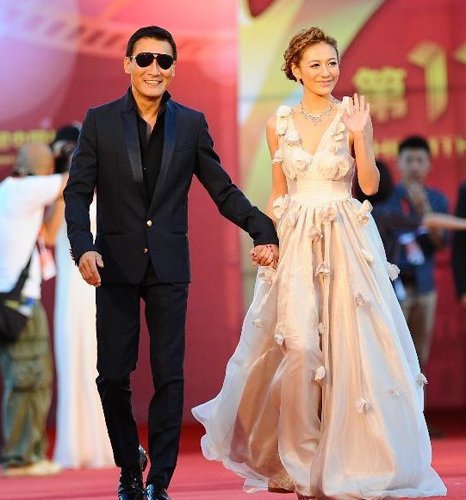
[198, 479]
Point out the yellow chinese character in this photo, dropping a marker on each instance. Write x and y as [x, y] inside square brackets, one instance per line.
[19, 138]
[5, 140]
[385, 90]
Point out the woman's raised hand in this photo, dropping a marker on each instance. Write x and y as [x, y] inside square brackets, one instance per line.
[356, 116]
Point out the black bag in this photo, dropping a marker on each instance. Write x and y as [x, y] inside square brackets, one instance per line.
[12, 320]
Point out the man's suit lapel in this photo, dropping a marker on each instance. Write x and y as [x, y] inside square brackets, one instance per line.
[130, 127]
[168, 147]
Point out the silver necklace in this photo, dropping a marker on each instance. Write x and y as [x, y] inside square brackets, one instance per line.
[315, 119]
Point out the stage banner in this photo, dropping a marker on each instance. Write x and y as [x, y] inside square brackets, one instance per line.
[61, 57]
[409, 60]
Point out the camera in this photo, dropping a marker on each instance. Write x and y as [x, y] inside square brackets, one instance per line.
[63, 146]
[63, 151]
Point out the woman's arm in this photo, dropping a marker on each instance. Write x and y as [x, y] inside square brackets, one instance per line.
[358, 123]
[54, 216]
[434, 220]
[279, 186]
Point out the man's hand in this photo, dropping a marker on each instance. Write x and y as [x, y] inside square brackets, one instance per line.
[265, 255]
[88, 264]
[418, 196]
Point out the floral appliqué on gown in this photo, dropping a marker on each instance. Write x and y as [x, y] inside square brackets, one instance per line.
[324, 394]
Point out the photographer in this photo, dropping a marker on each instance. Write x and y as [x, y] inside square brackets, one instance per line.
[26, 363]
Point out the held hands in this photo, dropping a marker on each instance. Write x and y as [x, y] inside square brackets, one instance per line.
[265, 255]
[357, 116]
[88, 264]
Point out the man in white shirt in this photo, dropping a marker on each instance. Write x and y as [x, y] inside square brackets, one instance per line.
[26, 364]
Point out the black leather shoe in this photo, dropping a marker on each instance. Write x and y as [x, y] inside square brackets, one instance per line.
[142, 458]
[154, 492]
[131, 486]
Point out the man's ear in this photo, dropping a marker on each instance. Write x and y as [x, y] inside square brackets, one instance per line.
[127, 65]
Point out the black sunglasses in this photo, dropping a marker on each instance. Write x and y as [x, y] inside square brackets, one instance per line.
[144, 59]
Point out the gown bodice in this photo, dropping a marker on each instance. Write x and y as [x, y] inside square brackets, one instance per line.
[323, 176]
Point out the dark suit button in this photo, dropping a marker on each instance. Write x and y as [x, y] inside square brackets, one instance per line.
[149, 223]
[145, 250]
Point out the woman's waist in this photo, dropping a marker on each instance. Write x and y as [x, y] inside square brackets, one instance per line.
[318, 191]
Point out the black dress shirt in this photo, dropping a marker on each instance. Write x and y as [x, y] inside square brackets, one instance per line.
[151, 146]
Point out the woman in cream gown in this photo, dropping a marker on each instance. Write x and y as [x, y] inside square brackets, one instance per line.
[81, 439]
[323, 395]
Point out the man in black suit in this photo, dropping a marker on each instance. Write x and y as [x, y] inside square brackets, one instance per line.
[140, 154]
[459, 249]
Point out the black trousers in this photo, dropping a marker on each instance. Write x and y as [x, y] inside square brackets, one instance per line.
[118, 328]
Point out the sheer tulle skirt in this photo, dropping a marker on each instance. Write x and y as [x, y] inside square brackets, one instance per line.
[324, 395]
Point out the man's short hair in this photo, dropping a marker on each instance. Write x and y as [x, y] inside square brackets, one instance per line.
[414, 142]
[151, 32]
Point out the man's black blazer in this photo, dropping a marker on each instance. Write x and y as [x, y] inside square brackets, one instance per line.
[459, 246]
[130, 228]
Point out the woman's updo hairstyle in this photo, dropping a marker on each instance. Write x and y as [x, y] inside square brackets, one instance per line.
[299, 43]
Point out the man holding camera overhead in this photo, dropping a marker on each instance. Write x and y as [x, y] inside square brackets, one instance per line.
[140, 153]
